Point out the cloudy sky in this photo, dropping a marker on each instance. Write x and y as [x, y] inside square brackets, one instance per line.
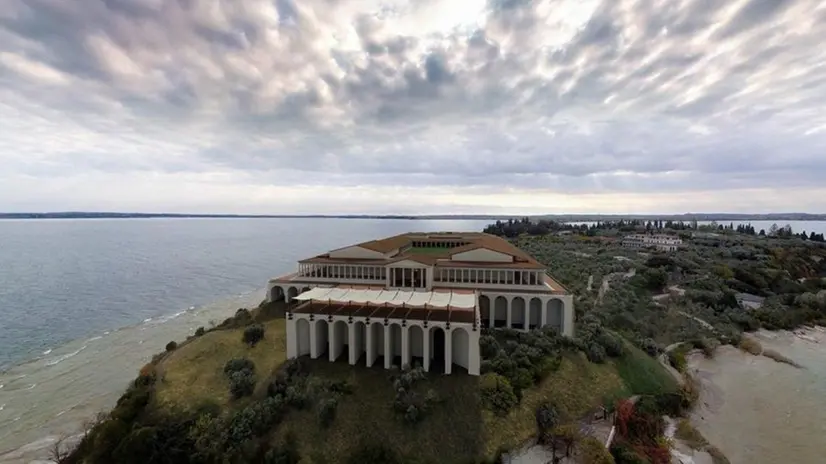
[404, 106]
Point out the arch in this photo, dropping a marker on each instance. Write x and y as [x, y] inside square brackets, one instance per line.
[305, 289]
[535, 310]
[436, 338]
[415, 340]
[276, 293]
[395, 345]
[554, 316]
[484, 310]
[518, 314]
[340, 343]
[500, 312]
[322, 339]
[292, 292]
[460, 347]
[360, 342]
[377, 340]
[302, 331]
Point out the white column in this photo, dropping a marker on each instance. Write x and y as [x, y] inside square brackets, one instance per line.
[426, 350]
[508, 317]
[448, 351]
[474, 357]
[543, 313]
[292, 339]
[371, 354]
[568, 317]
[313, 343]
[387, 346]
[405, 346]
[331, 339]
[351, 335]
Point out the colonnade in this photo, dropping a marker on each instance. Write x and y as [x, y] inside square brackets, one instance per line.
[434, 346]
[526, 312]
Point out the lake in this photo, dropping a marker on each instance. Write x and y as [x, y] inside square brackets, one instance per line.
[84, 303]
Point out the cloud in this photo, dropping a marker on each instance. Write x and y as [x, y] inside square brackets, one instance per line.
[475, 104]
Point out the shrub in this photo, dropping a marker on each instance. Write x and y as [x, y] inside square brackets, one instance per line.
[593, 452]
[171, 346]
[750, 345]
[287, 453]
[131, 404]
[241, 383]
[199, 331]
[613, 346]
[676, 358]
[497, 393]
[327, 411]
[596, 353]
[546, 418]
[237, 365]
[253, 334]
[411, 416]
[373, 454]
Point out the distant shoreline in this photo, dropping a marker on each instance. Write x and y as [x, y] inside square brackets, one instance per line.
[470, 217]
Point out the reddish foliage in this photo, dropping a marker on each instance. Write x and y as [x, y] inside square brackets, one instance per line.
[625, 411]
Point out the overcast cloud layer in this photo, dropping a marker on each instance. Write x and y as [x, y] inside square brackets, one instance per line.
[431, 106]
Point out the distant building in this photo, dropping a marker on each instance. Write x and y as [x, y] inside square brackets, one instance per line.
[417, 298]
[749, 301]
[661, 242]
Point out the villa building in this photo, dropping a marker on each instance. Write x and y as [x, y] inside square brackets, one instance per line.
[417, 298]
[661, 242]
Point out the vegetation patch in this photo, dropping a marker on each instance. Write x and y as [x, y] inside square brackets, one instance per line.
[194, 373]
[780, 358]
[687, 433]
[643, 375]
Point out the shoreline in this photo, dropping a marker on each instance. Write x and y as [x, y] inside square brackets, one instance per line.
[756, 408]
[49, 397]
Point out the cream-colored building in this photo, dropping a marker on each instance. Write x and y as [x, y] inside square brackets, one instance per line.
[417, 298]
[661, 242]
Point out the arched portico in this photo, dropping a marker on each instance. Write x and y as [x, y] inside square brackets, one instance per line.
[358, 339]
[460, 348]
[292, 292]
[395, 351]
[518, 316]
[375, 353]
[500, 312]
[535, 313]
[322, 338]
[555, 316]
[415, 340]
[303, 333]
[436, 338]
[339, 340]
[276, 293]
[484, 310]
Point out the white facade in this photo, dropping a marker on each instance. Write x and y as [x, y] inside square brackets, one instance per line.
[660, 241]
[366, 339]
[509, 289]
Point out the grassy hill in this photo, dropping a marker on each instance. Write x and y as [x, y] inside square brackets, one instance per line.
[189, 382]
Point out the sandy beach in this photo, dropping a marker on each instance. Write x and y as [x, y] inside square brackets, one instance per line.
[759, 411]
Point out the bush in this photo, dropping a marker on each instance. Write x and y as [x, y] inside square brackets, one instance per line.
[199, 331]
[373, 454]
[596, 353]
[594, 452]
[613, 345]
[253, 334]
[676, 358]
[237, 365]
[241, 384]
[497, 393]
[171, 346]
[327, 411]
[546, 418]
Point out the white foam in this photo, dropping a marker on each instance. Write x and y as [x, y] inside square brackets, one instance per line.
[60, 359]
[47, 351]
[95, 338]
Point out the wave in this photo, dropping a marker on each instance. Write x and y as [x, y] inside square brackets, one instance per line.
[47, 351]
[64, 357]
